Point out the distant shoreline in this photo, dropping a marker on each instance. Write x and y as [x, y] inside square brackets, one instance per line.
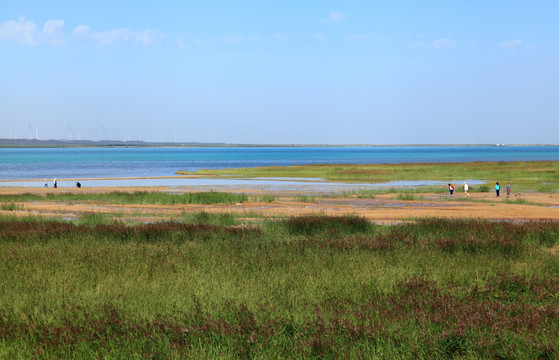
[36, 143]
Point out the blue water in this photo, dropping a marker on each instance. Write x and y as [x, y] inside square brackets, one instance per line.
[76, 163]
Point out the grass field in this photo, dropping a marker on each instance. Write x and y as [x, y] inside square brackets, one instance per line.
[303, 287]
[155, 275]
[542, 176]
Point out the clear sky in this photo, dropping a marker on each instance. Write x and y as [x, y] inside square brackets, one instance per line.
[283, 72]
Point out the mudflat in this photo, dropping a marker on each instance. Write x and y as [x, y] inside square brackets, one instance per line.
[380, 208]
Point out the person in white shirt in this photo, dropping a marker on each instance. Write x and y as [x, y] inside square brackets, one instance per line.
[466, 190]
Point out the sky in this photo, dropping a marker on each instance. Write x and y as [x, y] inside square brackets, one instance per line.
[284, 72]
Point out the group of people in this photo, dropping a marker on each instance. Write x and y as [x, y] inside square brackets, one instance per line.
[55, 183]
[498, 189]
[466, 187]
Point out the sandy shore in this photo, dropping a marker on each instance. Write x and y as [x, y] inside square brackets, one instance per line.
[384, 208]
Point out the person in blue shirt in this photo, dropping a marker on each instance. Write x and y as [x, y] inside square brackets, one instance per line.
[497, 188]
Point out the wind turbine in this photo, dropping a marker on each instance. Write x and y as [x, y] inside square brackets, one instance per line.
[70, 131]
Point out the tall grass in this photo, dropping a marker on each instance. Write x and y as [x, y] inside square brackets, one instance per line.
[408, 197]
[305, 287]
[204, 217]
[266, 198]
[137, 197]
[11, 206]
[482, 188]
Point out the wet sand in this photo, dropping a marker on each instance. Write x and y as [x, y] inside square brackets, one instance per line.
[384, 208]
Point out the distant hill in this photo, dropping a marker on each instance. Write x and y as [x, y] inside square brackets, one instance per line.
[99, 143]
[30, 143]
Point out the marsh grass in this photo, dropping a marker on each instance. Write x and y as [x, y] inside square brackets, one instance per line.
[11, 206]
[521, 201]
[409, 197]
[481, 188]
[361, 193]
[528, 175]
[219, 219]
[305, 198]
[267, 198]
[304, 287]
[137, 197]
[96, 218]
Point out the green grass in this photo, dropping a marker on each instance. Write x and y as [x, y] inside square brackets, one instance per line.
[521, 201]
[372, 193]
[207, 218]
[305, 287]
[305, 198]
[267, 198]
[523, 175]
[482, 188]
[11, 206]
[137, 197]
[96, 218]
[409, 197]
[361, 193]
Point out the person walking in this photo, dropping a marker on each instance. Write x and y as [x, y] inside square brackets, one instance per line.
[450, 189]
[466, 187]
[55, 183]
[497, 188]
[46, 184]
[508, 189]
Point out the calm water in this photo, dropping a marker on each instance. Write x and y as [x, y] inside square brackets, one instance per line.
[140, 162]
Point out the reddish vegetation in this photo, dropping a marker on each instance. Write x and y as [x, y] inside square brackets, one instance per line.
[510, 316]
[481, 321]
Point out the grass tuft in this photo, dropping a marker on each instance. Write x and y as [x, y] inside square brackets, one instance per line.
[11, 206]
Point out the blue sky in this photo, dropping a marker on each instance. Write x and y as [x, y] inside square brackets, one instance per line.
[289, 72]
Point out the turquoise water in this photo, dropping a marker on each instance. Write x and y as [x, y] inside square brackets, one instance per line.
[76, 163]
